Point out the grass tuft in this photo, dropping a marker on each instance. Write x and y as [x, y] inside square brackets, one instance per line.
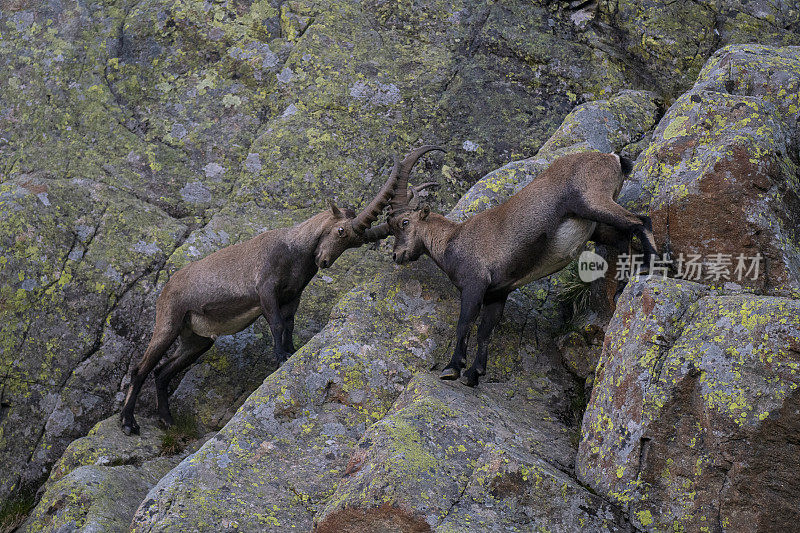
[573, 294]
[15, 511]
[179, 435]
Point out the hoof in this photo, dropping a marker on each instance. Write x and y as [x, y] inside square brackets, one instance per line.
[129, 429]
[165, 421]
[470, 378]
[450, 373]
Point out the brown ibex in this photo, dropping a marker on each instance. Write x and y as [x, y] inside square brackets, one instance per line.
[228, 290]
[536, 232]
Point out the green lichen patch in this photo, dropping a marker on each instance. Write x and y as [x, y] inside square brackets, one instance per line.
[106, 445]
[692, 390]
[720, 177]
[93, 498]
[73, 260]
[667, 45]
[440, 453]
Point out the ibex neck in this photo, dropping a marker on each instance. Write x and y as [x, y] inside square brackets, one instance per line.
[306, 235]
[436, 233]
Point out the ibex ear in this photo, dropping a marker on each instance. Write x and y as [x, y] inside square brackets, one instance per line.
[424, 212]
[335, 210]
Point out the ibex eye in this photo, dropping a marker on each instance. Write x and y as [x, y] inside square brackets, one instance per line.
[341, 232]
[405, 223]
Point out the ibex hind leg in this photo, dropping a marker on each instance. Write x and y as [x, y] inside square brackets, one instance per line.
[162, 339]
[192, 346]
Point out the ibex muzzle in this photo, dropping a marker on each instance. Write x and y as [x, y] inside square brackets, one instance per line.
[228, 290]
[536, 232]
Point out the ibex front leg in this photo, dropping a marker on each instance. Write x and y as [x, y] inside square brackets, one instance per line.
[277, 324]
[470, 307]
[490, 316]
[607, 211]
[288, 311]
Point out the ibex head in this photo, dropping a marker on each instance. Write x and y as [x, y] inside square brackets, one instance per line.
[344, 229]
[338, 235]
[406, 214]
[408, 242]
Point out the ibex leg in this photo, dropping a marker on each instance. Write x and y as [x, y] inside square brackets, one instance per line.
[617, 239]
[163, 337]
[490, 316]
[613, 214]
[192, 346]
[288, 311]
[611, 236]
[470, 307]
[277, 324]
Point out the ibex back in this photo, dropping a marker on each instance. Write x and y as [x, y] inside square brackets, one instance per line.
[228, 290]
[536, 232]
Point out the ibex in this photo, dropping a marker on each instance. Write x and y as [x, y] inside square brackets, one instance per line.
[228, 290]
[536, 232]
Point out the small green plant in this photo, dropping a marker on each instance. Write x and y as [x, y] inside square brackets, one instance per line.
[15, 511]
[179, 435]
[574, 294]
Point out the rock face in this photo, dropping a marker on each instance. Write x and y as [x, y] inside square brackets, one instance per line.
[492, 459]
[283, 455]
[694, 415]
[668, 44]
[100, 479]
[286, 449]
[721, 175]
[139, 135]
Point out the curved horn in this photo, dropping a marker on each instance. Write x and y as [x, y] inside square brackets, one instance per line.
[413, 192]
[370, 213]
[400, 199]
[377, 233]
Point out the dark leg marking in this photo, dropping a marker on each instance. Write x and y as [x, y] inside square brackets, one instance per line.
[162, 339]
[470, 308]
[288, 311]
[192, 346]
[490, 317]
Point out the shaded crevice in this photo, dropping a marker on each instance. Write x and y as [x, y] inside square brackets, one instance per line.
[616, 46]
[473, 40]
[457, 500]
[719, 501]
[132, 192]
[56, 277]
[140, 127]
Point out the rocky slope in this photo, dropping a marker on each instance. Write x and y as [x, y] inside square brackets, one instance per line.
[137, 136]
[282, 456]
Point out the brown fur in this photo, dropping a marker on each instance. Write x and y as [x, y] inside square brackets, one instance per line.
[534, 233]
[228, 290]
[386, 518]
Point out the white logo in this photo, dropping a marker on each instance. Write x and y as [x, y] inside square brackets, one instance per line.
[591, 266]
